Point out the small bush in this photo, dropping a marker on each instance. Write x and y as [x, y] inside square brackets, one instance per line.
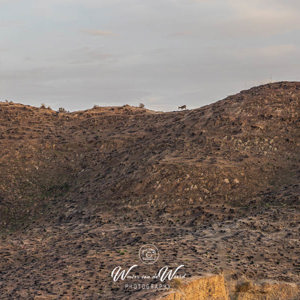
[141, 105]
[61, 110]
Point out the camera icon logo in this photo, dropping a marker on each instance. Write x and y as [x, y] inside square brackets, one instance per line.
[148, 254]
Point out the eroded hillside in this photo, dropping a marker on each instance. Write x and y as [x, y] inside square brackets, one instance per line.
[231, 152]
[80, 192]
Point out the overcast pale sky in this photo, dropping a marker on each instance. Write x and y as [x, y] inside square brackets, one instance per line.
[163, 53]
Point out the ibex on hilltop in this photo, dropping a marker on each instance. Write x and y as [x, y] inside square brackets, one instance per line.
[182, 107]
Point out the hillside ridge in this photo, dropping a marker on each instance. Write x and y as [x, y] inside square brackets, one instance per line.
[220, 182]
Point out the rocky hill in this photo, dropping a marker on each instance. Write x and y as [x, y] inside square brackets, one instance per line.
[232, 164]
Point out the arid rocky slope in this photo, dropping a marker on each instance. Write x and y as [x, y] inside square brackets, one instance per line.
[81, 192]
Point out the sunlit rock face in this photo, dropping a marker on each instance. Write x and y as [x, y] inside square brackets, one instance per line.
[215, 287]
[266, 290]
[199, 288]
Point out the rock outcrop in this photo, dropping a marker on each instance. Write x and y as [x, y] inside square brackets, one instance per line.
[214, 287]
[202, 288]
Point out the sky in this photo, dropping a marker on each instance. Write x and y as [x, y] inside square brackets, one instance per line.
[163, 53]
